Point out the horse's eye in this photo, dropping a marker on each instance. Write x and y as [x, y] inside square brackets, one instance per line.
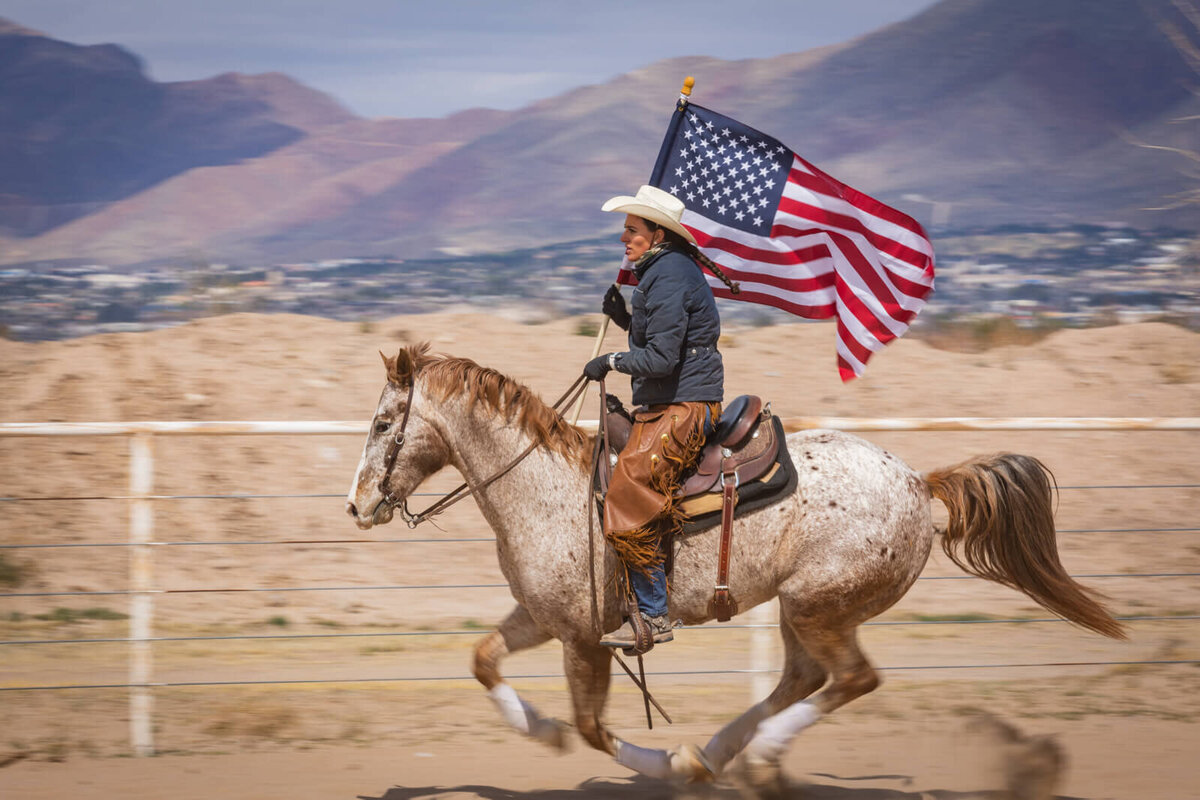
[382, 426]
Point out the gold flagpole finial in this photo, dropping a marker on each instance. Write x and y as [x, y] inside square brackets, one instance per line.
[685, 92]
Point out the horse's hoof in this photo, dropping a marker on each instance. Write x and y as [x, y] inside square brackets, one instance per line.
[761, 779]
[690, 763]
[553, 732]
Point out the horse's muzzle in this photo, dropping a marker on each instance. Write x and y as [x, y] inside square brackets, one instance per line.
[380, 516]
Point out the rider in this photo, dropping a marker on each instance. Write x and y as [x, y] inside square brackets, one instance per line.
[678, 386]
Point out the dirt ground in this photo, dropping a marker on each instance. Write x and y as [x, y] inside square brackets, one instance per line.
[1121, 716]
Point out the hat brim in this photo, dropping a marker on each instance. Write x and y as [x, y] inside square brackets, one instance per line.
[625, 204]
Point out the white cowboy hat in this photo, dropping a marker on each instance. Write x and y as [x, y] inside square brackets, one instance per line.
[652, 203]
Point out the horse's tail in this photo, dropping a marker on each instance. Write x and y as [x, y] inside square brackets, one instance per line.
[1002, 516]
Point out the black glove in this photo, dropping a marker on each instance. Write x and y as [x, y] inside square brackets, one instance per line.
[597, 368]
[614, 307]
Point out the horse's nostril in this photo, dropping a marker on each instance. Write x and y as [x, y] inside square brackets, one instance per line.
[351, 510]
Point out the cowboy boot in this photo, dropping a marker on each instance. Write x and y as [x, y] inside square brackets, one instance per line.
[626, 637]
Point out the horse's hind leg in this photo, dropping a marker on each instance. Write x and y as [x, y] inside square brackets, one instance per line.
[802, 675]
[851, 676]
[518, 631]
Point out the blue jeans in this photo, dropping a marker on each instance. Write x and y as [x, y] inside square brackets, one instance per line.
[651, 594]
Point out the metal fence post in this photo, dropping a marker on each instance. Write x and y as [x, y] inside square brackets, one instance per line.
[141, 608]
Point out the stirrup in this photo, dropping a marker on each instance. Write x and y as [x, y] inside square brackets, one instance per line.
[645, 634]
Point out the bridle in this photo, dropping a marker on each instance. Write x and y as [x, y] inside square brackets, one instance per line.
[450, 498]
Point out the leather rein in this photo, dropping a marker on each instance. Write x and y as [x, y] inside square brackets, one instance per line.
[450, 498]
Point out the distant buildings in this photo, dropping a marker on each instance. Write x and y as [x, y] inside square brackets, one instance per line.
[1071, 277]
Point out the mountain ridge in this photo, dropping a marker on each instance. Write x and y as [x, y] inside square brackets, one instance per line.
[998, 111]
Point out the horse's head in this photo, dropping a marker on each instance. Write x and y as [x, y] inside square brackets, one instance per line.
[403, 448]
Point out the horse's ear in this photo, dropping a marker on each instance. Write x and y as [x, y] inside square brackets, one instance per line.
[401, 368]
[389, 364]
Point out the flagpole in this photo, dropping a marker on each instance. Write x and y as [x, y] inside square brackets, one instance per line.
[685, 92]
[595, 352]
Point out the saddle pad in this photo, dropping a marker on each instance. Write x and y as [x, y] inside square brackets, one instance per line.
[777, 483]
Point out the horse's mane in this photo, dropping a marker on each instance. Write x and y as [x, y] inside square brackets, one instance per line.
[450, 376]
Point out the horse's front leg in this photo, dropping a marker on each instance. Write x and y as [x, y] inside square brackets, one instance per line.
[589, 671]
[518, 631]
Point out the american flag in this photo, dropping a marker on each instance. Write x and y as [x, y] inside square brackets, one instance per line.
[794, 237]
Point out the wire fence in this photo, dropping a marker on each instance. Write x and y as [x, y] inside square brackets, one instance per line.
[142, 544]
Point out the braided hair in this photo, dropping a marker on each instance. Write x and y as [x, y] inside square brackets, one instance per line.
[680, 243]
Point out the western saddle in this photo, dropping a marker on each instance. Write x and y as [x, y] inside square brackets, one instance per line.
[738, 451]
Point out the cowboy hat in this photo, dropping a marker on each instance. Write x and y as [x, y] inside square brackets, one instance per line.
[652, 203]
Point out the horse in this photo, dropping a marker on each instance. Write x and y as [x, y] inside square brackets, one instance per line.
[846, 545]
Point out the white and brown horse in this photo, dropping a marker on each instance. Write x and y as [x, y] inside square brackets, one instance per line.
[845, 546]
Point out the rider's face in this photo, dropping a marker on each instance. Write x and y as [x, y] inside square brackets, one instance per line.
[638, 237]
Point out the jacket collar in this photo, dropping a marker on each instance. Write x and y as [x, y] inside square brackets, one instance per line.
[649, 257]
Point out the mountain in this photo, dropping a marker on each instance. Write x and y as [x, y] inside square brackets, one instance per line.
[84, 127]
[997, 111]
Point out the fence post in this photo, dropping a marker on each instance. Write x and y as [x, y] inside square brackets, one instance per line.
[141, 609]
[761, 638]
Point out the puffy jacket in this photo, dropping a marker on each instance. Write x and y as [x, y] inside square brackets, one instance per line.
[673, 334]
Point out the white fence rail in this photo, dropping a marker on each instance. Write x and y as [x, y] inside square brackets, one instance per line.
[141, 519]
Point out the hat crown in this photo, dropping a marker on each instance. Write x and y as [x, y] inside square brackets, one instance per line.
[668, 203]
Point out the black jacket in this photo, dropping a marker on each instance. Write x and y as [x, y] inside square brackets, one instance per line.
[673, 334]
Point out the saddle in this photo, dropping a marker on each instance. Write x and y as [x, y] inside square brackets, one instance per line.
[743, 466]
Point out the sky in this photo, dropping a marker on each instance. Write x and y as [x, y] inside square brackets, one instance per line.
[402, 58]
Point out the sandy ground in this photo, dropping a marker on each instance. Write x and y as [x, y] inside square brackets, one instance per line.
[1127, 730]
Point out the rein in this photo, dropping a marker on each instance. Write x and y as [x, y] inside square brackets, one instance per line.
[464, 490]
[601, 473]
